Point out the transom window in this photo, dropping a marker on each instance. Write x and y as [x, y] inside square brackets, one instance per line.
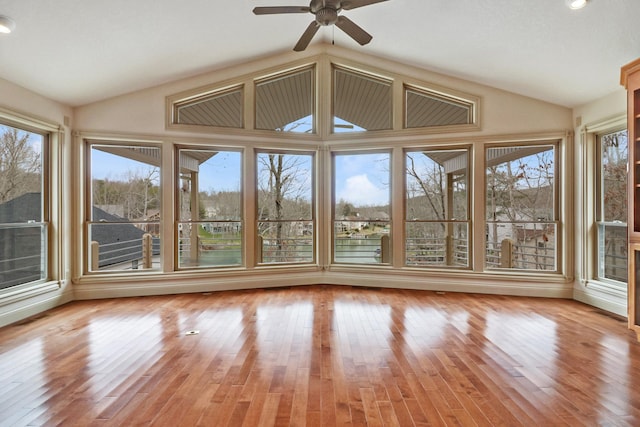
[221, 108]
[427, 109]
[291, 100]
[286, 103]
[360, 102]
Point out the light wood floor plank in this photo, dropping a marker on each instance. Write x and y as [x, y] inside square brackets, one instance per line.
[320, 356]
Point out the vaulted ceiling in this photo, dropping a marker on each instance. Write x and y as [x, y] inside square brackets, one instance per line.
[77, 51]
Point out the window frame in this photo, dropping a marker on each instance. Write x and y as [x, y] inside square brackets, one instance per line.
[283, 75]
[471, 104]
[87, 213]
[598, 210]
[469, 221]
[204, 97]
[558, 197]
[332, 210]
[52, 136]
[367, 75]
[313, 208]
[178, 219]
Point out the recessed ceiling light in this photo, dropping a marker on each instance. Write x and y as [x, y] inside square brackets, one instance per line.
[6, 24]
[576, 4]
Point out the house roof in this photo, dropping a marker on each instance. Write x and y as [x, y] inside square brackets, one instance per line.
[26, 207]
[78, 53]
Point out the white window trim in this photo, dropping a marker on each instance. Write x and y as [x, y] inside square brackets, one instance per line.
[53, 185]
[586, 160]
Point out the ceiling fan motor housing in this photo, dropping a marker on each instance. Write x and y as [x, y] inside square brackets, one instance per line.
[326, 13]
[326, 16]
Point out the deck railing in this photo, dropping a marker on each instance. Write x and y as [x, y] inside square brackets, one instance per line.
[23, 253]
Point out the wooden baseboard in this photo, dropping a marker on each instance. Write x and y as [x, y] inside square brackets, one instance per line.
[605, 301]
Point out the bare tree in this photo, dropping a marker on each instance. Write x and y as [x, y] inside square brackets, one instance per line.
[614, 176]
[20, 165]
[520, 194]
[282, 187]
[614, 160]
[143, 192]
[136, 193]
[428, 182]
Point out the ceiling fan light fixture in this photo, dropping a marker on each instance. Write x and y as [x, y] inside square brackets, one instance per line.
[576, 4]
[7, 24]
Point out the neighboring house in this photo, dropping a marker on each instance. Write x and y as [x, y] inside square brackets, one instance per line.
[118, 243]
[534, 241]
[21, 244]
[150, 223]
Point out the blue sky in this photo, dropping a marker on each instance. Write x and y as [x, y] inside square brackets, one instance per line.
[219, 173]
[222, 172]
[362, 179]
[35, 140]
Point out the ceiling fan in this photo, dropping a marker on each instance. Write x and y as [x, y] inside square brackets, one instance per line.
[327, 12]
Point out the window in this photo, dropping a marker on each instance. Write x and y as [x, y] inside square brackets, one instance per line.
[286, 228]
[521, 208]
[286, 100]
[24, 206]
[437, 208]
[123, 226]
[209, 205]
[611, 206]
[222, 108]
[361, 102]
[286, 103]
[361, 208]
[426, 109]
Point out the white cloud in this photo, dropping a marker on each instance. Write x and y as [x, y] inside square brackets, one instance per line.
[360, 191]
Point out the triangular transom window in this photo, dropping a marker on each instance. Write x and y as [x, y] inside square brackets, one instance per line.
[362, 100]
[221, 108]
[426, 109]
[286, 103]
[323, 98]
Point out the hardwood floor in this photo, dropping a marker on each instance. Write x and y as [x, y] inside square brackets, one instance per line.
[320, 356]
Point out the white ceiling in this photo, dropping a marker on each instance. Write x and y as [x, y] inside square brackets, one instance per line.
[79, 51]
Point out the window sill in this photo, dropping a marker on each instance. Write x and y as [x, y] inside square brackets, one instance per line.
[22, 292]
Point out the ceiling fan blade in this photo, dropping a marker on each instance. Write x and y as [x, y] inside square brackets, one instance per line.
[280, 9]
[353, 30]
[308, 34]
[352, 4]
